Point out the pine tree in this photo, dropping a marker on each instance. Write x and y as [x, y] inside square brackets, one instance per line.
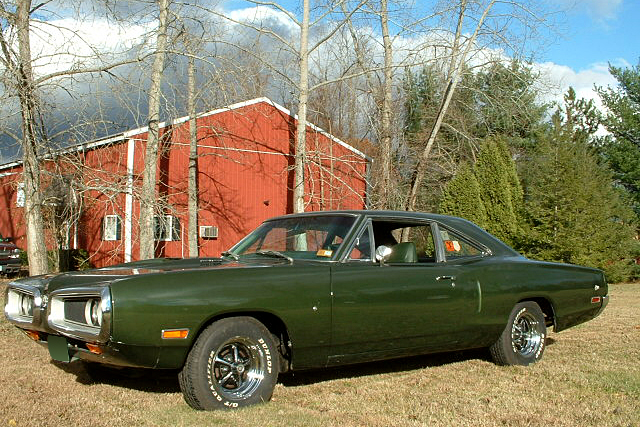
[495, 173]
[462, 197]
[512, 175]
[488, 194]
[621, 148]
[508, 103]
[576, 214]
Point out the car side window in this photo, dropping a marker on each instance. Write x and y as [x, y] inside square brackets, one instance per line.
[410, 242]
[362, 249]
[456, 246]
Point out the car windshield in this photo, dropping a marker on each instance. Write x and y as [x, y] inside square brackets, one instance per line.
[307, 237]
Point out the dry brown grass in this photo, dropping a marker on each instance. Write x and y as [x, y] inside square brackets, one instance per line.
[590, 376]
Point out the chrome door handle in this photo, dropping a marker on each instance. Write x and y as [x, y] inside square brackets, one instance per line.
[446, 278]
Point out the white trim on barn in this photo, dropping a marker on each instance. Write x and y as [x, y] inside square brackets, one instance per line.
[128, 209]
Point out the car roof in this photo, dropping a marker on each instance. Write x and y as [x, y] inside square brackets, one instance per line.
[461, 225]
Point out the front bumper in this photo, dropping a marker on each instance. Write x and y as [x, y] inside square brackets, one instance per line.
[10, 268]
[66, 349]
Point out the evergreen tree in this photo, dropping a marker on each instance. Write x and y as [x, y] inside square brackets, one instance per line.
[507, 103]
[621, 148]
[512, 174]
[497, 101]
[495, 173]
[462, 197]
[455, 142]
[489, 194]
[575, 213]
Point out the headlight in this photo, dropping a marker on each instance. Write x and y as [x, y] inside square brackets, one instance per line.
[83, 313]
[23, 304]
[93, 312]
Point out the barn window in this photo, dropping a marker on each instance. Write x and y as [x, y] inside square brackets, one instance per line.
[166, 227]
[111, 227]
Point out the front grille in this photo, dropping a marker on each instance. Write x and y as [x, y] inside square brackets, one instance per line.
[74, 310]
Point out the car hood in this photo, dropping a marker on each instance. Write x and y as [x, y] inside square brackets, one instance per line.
[101, 276]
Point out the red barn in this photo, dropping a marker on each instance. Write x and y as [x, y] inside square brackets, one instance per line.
[245, 174]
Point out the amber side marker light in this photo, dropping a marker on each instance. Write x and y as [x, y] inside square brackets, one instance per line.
[172, 334]
[95, 349]
[595, 300]
[34, 335]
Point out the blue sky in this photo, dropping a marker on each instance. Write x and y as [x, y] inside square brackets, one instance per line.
[598, 31]
[591, 34]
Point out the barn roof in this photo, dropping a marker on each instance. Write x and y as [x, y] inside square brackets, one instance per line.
[120, 137]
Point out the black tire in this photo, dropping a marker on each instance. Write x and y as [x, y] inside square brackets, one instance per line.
[523, 340]
[233, 363]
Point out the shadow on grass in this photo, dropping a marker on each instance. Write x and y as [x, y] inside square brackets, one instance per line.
[299, 378]
[147, 380]
[166, 381]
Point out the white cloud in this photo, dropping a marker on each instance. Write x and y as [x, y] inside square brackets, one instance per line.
[558, 78]
[266, 17]
[67, 43]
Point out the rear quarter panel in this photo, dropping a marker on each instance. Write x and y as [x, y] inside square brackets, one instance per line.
[567, 288]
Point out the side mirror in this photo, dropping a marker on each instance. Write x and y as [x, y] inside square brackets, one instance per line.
[383, 253]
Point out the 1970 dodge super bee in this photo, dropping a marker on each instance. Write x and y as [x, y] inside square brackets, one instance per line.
[308, 291]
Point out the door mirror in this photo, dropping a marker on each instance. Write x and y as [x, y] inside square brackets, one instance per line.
[383, 253]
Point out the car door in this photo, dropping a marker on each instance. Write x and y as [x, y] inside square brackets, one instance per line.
[397, 308]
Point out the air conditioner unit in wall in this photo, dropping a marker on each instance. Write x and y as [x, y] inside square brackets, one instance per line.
[208, 231]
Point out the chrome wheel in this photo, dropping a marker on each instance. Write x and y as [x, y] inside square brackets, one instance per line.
[233, 363]
[238, 367]
[526, 335]
[522, 341]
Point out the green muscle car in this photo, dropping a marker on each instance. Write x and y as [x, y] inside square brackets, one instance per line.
[308, 291]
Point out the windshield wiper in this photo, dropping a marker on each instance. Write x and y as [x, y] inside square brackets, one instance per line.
[275, 254]
[230, 255]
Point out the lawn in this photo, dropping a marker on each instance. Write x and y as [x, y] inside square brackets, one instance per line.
[589, 376]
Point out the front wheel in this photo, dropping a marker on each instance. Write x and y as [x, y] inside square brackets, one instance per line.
[523, 340]
[233, 363]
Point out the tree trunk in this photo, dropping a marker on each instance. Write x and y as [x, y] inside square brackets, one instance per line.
[301, 129]
[193, 161]
[36, 249]
[148, 195]
[385, 123]
[457, 62]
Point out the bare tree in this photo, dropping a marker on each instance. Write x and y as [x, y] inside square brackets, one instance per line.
[303, 98]
[460, 50]
[193, 162]
[19, 79]
[148, 195]
[385, 123]
[300, 49]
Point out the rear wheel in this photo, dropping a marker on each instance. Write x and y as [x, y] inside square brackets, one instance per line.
[233, 363]
[523, 340]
